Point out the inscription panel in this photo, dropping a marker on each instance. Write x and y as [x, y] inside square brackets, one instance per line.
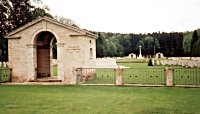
[73, 49]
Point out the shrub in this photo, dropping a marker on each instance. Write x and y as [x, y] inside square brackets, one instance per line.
[150, 62]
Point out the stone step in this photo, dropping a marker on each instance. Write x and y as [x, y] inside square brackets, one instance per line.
[46, 80]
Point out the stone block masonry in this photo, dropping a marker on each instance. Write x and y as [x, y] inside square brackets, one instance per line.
[30, 55]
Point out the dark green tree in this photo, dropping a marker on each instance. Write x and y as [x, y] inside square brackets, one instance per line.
[187, 43]
[20, 13]
[148, 45]
[120, 50]
[40, 12]
[196, 49]
[126, 43]
[140, 42]
[172, 52]
[13, 14]
[3, 48]
[112, 49]
[150, 62]
[54, 48]
[3, 17]
[67, 21]
[101, 45]
[193, 41]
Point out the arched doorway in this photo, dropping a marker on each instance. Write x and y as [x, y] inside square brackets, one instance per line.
[44, 53]
[159, 55]
[131, 55]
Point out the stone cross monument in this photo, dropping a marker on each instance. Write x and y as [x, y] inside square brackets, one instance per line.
[140, 53]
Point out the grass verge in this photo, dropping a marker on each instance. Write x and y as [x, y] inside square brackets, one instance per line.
[98, 100]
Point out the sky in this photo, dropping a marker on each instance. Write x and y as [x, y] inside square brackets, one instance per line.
[130, 16]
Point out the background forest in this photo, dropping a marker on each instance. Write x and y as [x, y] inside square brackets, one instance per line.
[174, 44]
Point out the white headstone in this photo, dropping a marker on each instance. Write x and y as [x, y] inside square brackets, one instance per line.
[157, 62]
[152, 62]
[4, 64]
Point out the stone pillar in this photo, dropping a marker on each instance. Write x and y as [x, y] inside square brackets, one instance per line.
[119, 76]
[75, 76]
[51, 61]
[51, 56]
[79, 75]
[169, 76]
[60, 57]
[31, 52]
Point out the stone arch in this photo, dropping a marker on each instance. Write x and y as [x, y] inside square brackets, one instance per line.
[51, 46]
[53, 61]
[131, 55]
[34, 37]
[159, 55]
[43, 53]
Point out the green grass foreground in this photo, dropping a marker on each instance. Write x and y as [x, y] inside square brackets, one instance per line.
[64, 99]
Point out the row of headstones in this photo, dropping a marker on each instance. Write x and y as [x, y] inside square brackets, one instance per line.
[107, 62]
[134, 56]
[184, 58]
[184, 63]
[3, 64]
[156, 62]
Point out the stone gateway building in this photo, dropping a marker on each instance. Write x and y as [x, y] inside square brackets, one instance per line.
[30, 50]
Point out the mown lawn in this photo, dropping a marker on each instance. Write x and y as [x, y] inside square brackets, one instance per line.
[41, 99]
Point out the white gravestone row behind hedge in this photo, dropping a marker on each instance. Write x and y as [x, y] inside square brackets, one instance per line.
[184, 63]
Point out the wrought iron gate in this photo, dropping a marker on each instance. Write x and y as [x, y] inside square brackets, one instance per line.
[5, 75]
[186, 76]
[144, 76]
[96, 75]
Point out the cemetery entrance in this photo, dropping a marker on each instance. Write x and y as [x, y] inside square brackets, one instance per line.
[44, 44]
[31, 56]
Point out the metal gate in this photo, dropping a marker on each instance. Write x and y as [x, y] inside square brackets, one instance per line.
[96, 75]
[153, 76]
[5, 75]
[144, 76]
[186, 76]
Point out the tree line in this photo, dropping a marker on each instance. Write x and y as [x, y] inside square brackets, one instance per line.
[174, 44]
[14, 14]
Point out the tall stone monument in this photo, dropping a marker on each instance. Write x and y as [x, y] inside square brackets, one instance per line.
[140, 53]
